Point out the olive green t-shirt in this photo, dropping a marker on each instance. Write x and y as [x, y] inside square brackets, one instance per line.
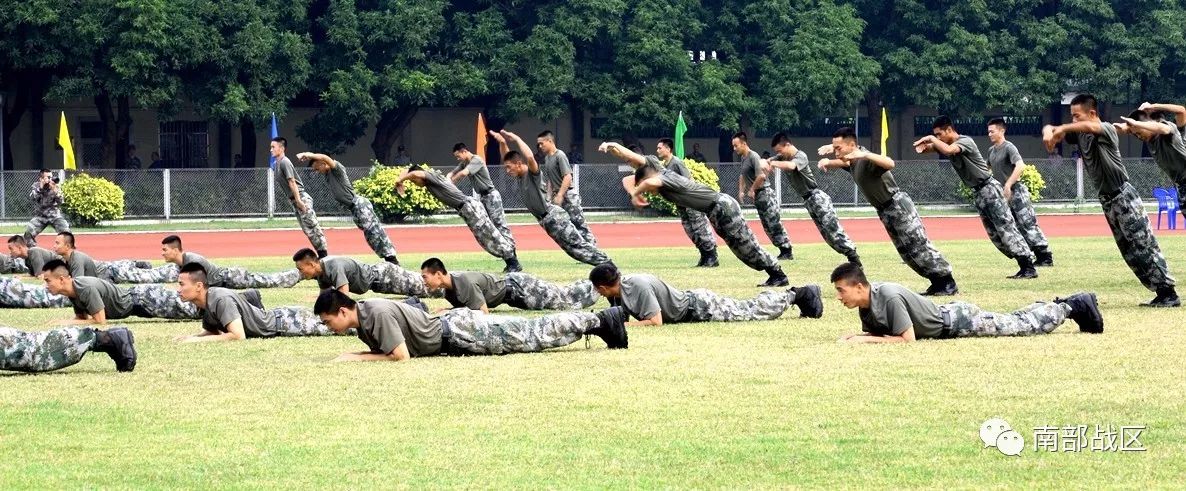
[385, 324]
[894, 308]
[1101, 158]
[969, 164]
[444, 189]
[472, 289]
[224, 306]
[339, 184]
[95, 294]
[1003, 159]
[555, 167]
[213, 273]
[337, 271]
[479, 174]
[81, 264]
[644, 295]
[1169, 151]
[37, 259]
[801, 179]
[751, 167]
[875, 182]
[284, 172]
[685, 192]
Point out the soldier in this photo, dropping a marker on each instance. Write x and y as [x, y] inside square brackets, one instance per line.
[360, 207]
[348, 275]
[228, 315]
[521, 165]
[95, 300]
[17, 294]
[891, 313]
[81, 264]
[34, 256]
[796, 166]
[753, 183]
[653, 302]
[394, 331]
[1164, 141]
[302, 203]
[1098, 145]
[694, 222]
[988, 194]
[226, 277]
[481, 291]
[871, 172]
[489, 236]
[46, 196]
[57, 349]
[722, 212]
[472, 166]
[562, 189]
[1006, 164]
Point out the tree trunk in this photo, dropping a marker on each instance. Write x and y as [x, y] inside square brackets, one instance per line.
[14, 110]
[390, 127]
[123, 128]
[224, 145]
[247, 142]
[873, 110]
[110, 135]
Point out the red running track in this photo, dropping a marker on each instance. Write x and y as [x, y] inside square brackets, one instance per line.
[457, 238]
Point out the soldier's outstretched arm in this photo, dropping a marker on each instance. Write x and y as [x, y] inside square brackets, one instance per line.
[648, 185]
[1178, 111]
[528, 155]
[400, 353]
[617, 150]
[316, 157]
[864, 338]
[234, 333]
[654, 320]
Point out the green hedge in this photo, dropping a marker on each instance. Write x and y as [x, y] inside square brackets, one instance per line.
[89, 200]
[701, 173]
[379, 187]
[1029, 176]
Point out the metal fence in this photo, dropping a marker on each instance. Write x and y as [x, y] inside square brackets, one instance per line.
[218, 192]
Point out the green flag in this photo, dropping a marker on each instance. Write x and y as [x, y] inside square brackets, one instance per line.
[680, 129]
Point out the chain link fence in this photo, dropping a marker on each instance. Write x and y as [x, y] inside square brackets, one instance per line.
[219, 192]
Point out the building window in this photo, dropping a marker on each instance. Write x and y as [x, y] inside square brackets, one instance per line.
[184, 144]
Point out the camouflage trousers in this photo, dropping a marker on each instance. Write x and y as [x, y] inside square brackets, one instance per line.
[725, 217]
[394, 280]
[19, 295]
[366, 220]
[968, 320]
[44, 351]
[696, 226]
[709, 306]
[129, 271]
[489, 236]
[572, 205]
[1134, 236]
[300, 321]
[309, 223]
[819, 206]
[239, 278]
[1026, 219]
[12, 265]
[527, 292]
[159, 302]
[998, 221]
[906, 231]
[559, 227]
[766, 202]
[474, 333]
[492, 202]
[38, 223]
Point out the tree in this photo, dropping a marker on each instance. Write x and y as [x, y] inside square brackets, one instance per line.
[29, 58]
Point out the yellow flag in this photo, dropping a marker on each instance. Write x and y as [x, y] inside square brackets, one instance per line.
[67, 148]
[884, 133]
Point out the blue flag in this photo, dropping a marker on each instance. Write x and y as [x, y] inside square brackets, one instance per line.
[275, 134]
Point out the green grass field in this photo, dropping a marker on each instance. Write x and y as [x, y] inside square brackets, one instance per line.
[752, 405]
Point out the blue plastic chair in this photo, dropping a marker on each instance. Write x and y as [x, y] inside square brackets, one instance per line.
[1166, 205]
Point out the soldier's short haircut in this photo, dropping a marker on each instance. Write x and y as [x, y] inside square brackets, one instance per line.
[18, 239]
[45, 171]
[998, 122]
[457, 147]
[605, 274]
[850, 273]
[304, 254]
[57, 267]
[942, 122]
[667, 142]
[196, 273]
[282, 141]
[514, 157]
[172, 241]
[547, 135]
[740, 135]
[69, 236]
[845, 133]
[1086, 100]
[433, 265]
[329, 301]
[779, 139]
[644, 172]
